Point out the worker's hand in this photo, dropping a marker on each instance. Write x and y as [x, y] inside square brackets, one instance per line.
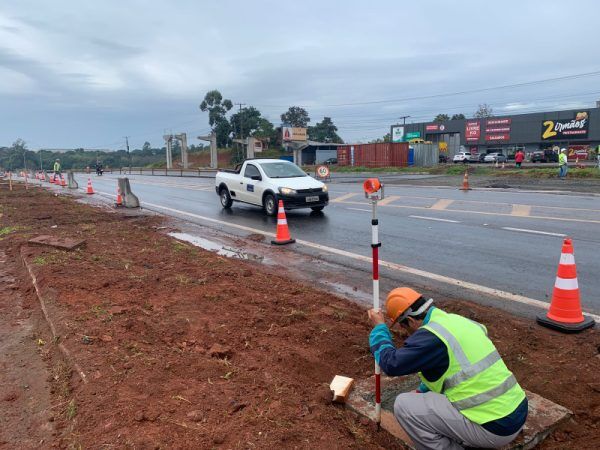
[376, 317]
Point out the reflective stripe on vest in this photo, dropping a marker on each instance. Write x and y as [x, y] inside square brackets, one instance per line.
[480, 399]
[467, 370]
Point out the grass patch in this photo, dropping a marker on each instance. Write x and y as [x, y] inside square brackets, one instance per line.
[56, 257]
[7, 230]
[71, 411]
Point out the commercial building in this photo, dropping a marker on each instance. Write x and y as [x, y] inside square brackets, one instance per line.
[578, 130]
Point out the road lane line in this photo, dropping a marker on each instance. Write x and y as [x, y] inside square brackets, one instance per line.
[343, 197]
[359, 209]
[524, 230]
[389, 199]
[441, 204]
[437, 219]
[393, 266]
[521, 210]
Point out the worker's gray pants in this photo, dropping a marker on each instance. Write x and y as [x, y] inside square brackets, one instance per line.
[433, 423]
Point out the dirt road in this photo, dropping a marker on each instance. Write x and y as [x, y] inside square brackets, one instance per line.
[182, 348]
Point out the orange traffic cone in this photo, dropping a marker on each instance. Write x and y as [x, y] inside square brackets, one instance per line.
[565, 308]
[90, 189]
[119, 198]
[63, 182]
[465, 186]
[283, 233]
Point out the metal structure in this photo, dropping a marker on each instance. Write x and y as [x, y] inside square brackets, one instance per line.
[374, 191]
[182, 138]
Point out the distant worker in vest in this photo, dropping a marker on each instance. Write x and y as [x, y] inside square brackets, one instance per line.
[563, 166]
[467, 396]
[519, 158]
[56, 169]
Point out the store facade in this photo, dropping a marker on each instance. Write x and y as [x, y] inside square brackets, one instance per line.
[578, 130]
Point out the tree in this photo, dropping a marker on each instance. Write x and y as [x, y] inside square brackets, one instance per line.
[296, 116]
[324, 131]
[386, 138]
[265, 131]
[484, 110]
[245, 122]
[217, 111]
[147, 147]
[441, 118]
[460, 116]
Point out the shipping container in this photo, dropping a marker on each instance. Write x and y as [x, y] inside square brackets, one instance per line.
[384, 154]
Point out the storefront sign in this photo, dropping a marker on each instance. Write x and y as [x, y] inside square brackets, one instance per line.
[575, 128]
[578, 152]
[497, 137]
[472, 130]
[496, 122]
[434, 127]
[413, 135]
[398, 134]
[497, 130]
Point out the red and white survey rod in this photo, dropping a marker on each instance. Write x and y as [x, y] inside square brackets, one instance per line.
[374, 191]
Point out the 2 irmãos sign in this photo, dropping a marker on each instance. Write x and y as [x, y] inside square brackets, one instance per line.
[564, 129]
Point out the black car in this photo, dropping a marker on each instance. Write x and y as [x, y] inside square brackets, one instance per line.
[442, 159]
[544, 156]
[330, 161]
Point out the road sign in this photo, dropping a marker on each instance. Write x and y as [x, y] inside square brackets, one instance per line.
[323, 172]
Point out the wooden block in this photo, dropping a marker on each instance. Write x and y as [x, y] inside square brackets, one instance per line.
[341, 387]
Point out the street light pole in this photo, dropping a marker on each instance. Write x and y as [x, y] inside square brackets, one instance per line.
[128, 154]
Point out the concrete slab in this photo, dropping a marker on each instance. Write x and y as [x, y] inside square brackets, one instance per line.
[57, 242]
[544, 415]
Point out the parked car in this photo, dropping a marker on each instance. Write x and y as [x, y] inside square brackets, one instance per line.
[330, 161]
[442, 159]
[481, 157]
[263, 182]
[462, 157]
[544, 156]
[494, 157]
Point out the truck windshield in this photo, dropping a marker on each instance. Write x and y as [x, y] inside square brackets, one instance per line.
[282, 169]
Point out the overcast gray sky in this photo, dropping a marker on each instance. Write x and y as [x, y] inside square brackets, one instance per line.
[87, 73]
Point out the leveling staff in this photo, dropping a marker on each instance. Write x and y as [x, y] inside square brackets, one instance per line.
[467, 397]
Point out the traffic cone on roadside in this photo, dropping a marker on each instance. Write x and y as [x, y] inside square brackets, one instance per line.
[63, 182]
[465, 185]
[119, 201]
[283, 233]
[90, 189]
[565, 308]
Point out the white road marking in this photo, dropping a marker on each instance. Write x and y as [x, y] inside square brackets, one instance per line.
[393, 266]
[524, 230]
[359, 209]
[437, 219]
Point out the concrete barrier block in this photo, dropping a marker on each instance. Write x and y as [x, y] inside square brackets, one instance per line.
[71, 180]
[129, 199]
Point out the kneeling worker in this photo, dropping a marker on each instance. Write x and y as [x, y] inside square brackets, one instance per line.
[467, 397]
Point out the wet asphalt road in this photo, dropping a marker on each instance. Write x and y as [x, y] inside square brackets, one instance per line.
[500, 239]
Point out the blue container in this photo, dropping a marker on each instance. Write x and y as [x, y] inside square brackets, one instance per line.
[411, 156]
[289, 158]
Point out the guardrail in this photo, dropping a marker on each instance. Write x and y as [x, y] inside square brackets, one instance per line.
[197, 173]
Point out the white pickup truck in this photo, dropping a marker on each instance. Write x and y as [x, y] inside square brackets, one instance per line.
[263, 182]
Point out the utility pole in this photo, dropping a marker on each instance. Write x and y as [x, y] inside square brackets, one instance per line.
[241, 127]
[403, 119]
[128, 154]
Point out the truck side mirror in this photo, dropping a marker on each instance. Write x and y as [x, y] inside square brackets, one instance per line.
[256, 178]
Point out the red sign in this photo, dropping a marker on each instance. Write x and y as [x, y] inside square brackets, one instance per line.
[498, 122]
[432, 127]
[497, 137]
[472, 130]
[498, 130]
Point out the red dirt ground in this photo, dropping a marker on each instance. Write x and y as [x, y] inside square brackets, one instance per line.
[186, 349]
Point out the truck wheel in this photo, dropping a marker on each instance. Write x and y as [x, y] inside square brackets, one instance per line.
[225, 197]
[317, 208]
[270, 205]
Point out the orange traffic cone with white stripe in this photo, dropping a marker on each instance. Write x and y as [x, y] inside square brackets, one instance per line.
[465, 185]
[90, 189]
[119, 201]
[283, 233]
[565, 308]
[63, 182]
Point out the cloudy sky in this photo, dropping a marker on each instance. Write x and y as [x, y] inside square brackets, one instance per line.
[87, 73]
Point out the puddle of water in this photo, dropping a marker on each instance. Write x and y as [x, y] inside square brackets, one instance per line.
[212, 246]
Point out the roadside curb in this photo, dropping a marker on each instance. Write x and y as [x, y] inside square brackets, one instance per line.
[55, 335]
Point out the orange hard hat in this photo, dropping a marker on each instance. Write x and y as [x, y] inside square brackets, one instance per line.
[399, 300]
